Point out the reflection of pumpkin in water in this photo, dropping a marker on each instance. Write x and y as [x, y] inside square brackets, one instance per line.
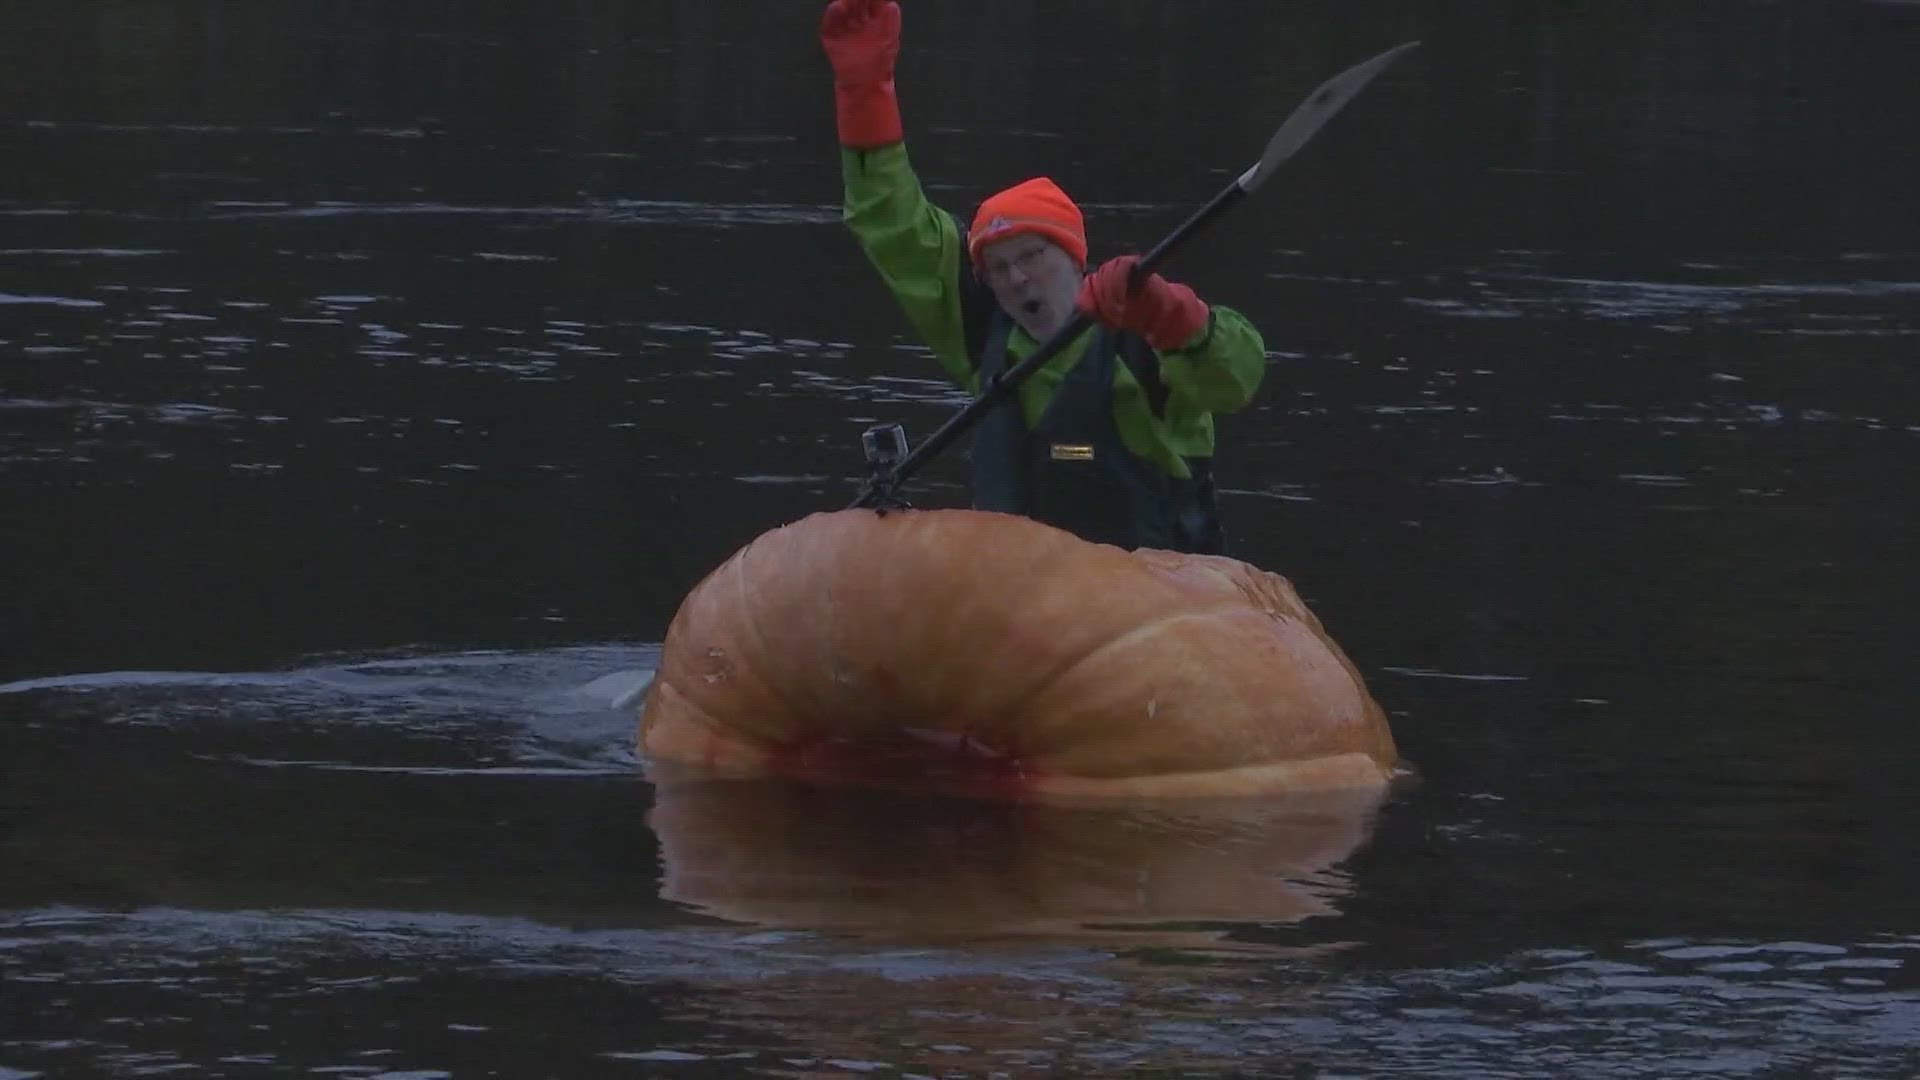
[996, 656]
[776, 853]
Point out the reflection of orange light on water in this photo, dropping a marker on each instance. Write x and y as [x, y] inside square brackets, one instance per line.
[776, 853]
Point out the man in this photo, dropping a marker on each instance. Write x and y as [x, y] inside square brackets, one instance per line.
[1113, 438]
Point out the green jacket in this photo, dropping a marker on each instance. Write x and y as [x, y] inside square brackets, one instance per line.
[917, 248]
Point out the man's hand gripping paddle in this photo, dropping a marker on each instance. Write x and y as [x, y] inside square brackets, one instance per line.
[886, 444]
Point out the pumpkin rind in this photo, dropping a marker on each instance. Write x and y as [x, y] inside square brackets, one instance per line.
[1006, 647]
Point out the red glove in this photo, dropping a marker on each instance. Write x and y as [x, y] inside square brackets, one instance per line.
[1169, 316]
[862, 38]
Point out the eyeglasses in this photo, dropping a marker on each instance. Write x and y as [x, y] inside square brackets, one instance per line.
[1027, 262]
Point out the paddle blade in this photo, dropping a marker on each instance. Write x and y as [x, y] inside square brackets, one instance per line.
[1314, 112]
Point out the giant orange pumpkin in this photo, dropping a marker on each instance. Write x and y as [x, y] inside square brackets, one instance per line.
[991, 655]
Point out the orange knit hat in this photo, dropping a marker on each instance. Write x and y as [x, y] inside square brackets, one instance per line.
[1037, 206]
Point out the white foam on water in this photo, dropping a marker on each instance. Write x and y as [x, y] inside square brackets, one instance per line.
[532, 713]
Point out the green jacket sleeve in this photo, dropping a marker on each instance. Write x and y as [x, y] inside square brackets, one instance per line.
[1217, 374]
[914, 245]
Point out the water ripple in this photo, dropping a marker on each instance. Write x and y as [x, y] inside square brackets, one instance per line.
[527, 713]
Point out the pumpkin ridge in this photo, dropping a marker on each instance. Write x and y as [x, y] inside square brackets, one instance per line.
[757, 640]
[1065, 668]
[693, 715]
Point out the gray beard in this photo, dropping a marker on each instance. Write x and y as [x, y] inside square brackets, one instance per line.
[1035, 321]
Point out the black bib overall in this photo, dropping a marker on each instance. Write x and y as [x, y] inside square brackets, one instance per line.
[1072, 470]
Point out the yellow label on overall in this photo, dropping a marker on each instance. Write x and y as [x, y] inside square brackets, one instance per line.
[1072, 452]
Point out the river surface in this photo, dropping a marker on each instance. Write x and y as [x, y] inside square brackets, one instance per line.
[375, 379]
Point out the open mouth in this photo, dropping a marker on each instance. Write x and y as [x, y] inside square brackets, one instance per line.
[1031, 307]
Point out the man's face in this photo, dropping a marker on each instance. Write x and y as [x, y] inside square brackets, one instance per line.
[1034, 279]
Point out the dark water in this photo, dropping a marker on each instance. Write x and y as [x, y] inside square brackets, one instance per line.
[378, 377]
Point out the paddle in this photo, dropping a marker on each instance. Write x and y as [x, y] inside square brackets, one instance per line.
[892, 465]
